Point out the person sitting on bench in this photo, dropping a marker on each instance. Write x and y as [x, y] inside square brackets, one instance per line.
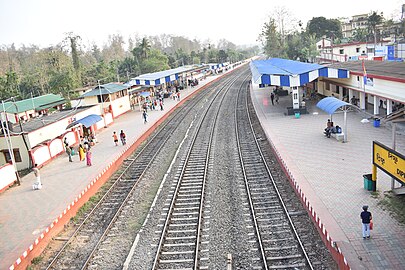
[329, 126]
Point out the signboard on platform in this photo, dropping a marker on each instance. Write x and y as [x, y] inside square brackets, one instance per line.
[389, 160]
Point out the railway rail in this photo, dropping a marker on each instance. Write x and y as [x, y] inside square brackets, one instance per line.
[180, 240]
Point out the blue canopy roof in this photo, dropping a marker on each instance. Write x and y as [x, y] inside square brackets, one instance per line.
[87, 121]
[331, 104]
[161, 77]
[283, 72]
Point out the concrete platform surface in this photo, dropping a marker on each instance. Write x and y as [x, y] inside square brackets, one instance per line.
[330, 174]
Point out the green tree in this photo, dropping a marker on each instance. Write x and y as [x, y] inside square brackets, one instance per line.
[270, 39]
[320, 26]
[9, 85]
[156, 61]
[373, 21]
[360, 35]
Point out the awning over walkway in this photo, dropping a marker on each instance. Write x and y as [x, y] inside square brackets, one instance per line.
[161, 77]
[144, 94]
[87, 121]
[331, 104]
[283, 72]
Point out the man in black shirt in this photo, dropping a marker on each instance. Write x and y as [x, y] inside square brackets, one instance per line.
[365, 219]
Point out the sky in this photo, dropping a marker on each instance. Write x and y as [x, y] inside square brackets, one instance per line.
[46, 22]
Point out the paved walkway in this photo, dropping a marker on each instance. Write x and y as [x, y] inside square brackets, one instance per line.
[25, 213]
[331, 176]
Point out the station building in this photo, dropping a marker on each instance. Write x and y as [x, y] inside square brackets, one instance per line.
[383, 89]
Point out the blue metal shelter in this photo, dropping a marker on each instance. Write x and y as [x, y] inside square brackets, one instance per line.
[283, 72]
[162, 77]
[330, 105]
[87, 121]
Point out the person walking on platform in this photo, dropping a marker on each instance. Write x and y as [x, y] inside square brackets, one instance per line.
[69, 153]
[277, 97]
[123, 137]
[115, 137]
[37, 184]
[81, 153]
[366, 218]
[88, 157]
[161, 105]
[145, 116]
[272, 98]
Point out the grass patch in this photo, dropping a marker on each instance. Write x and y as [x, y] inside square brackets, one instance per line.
[395, 205]
[36, 260]
[87, 206]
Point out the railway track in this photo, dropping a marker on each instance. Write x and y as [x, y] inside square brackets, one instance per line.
[276, 212]
[77, 252]
[179, 245]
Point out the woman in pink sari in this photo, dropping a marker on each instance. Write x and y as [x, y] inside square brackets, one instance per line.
[88, 157]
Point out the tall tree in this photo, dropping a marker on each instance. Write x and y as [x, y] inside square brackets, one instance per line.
[144, 48]
[320, 26]
[270, 39]
[373, 20]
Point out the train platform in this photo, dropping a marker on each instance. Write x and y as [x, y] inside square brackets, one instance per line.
[27, 215]
[329, 174]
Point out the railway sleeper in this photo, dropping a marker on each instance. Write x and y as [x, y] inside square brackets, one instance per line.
[280, 248]
[183, 225]
[181, 231]
[179, 208]
[289, 239]
[179, 244]
[287, 266]
[282, 258]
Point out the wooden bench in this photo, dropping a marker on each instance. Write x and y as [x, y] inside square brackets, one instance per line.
[338, 136]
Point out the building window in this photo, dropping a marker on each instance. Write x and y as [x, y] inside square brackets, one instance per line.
[7, 156]
[358, 78]
[357, 50]
[341, 51]
[327, 86]
[370, 50]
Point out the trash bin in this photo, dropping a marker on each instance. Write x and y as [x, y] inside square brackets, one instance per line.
[376, 122]
[368, 183]
[297, 115]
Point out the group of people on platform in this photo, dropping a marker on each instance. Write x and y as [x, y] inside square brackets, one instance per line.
[83, 150]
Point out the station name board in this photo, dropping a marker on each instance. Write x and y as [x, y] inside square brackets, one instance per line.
[389, 160]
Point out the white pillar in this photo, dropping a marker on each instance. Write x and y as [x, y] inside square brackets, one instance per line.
[350, 94]
[389, 106]
[362, 100]
[340, 89]
[376, 105]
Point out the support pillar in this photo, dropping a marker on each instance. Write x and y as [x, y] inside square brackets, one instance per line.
[389, 106]
[374, 177]
[362, 100]
[376, 105]
[350, 94]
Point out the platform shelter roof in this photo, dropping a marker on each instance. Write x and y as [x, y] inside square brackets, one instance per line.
[161, 77]
[283, 72]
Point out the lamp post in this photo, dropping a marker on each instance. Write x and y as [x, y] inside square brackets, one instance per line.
[6, 131]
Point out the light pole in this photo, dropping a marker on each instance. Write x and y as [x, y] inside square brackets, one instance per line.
[101, 97]
[6, 131]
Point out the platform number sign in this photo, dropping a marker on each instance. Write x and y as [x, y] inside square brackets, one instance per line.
[389, 160]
